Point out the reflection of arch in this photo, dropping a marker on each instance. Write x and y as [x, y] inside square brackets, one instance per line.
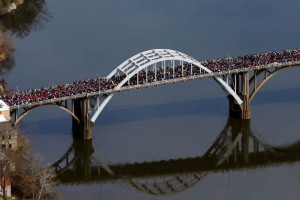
[19, 117]
[152, 58]
[64, 162]
[267, 75]
[236, 147]
[167, 184]
[219, 152]
[79, 152]
[174, 178]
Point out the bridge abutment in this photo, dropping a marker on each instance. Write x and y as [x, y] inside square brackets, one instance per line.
[242, 89]
[84, 128]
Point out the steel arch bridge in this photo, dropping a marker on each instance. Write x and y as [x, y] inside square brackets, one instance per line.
[157, 67]
[152, 58]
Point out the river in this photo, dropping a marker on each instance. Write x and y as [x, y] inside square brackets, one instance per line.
[62, 41]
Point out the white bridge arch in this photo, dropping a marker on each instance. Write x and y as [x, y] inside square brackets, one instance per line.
[141, 61]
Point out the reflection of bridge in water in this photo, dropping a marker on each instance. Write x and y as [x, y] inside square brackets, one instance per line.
[235, 148]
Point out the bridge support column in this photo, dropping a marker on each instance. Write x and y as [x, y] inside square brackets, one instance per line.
[84, 128]
[242, 89]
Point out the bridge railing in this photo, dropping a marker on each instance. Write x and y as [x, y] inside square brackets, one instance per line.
[156, 83]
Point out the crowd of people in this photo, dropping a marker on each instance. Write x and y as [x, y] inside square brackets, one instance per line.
[252, 60]
[147, 76]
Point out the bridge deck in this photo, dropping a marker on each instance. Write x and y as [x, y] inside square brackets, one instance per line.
[157, 83]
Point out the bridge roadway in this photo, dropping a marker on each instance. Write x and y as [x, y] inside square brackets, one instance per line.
[240, 77]
[156, 83]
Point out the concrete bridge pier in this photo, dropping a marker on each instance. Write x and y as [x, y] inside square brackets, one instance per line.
[84, 128]
[241, 86]
[83, 150]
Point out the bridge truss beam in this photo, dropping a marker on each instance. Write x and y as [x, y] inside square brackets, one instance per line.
[150, 61]
[260, 78]
[19, 113]
[77, 108]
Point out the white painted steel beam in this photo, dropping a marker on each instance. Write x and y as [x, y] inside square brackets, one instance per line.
[144, 59]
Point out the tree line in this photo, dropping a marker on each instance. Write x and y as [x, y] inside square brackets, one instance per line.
[29, 178]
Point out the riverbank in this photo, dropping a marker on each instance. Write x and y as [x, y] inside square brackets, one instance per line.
[7, 6]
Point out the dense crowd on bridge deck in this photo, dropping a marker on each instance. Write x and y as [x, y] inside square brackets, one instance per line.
[151, 75]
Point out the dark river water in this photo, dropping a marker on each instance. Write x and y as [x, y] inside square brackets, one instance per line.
[158, 143]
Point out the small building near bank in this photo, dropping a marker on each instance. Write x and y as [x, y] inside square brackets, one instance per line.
[8, 134]
[8, 140]
[4, 112]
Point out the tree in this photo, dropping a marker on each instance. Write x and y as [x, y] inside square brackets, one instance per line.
[46, 178]
[36, 12]
[6, 5]
[29, 171]
[31, 179]
[3, 86]
[5, 172]
[6, 53]
[6, 47]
